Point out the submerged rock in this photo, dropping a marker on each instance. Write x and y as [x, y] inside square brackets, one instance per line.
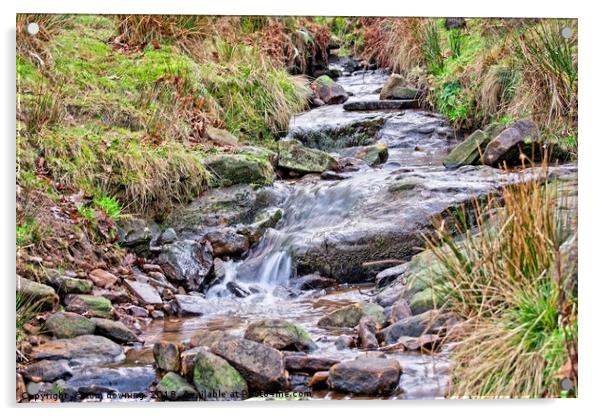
[365, 375]
[522, 137]
[329, 91]
[174, 387]
[349, 316]
[373, 155]
[382, 105]
[215, 379]
[292, 155]
[69, 325]
[260, 365]
[186, 262]
[280, 334]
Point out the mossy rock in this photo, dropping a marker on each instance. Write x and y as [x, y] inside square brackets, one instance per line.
[292, 155]
[423, 301]
[231, 169]
[69, 325]
[469, 151]
[96, 306]
[43, 295]
[66, 285]
[349, 316]
[395, 88]
[325, 80]
[213, 374]
[280, 334]
[174, 387]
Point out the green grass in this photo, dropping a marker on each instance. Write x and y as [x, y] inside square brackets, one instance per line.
[511, 278]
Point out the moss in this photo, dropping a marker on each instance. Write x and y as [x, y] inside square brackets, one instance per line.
[231, 169]
[174, 387]
[214, 374]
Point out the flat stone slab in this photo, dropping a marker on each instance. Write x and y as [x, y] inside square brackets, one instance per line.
[82, 350]
[193, 305]
[145, 292]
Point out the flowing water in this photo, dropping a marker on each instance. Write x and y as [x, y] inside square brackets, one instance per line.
[315, 211]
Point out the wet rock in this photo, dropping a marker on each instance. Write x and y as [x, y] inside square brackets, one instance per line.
[344, 342]
[215, 379]
[207, 338]
[220, 136]
[292, 155]
[69, 325]
[415, 326]
[65, 284]
[373, 155]
[329, 91]
[168, 236]
[389, 275]
[319, 380]
[167, 356]
[260, 365]
[114, 330]
[102, 278]
[144, 292]
[331, 175]
[376, 105]
[522, 137]
[366, 375]
[226, 242]
[192, 305]
[349, 316]
[313, 281]
[187, 262]
[37, 292]
[48, 370]
[400, 310]
[307, 363]
[174, 387]
[469, 151]
[230, 169]
[396, 88]
[280, 334]
[89, 305]
[82, 350]
[264, 220]
[367, 333]
[136, 311]
[98, 380]
[426, 341]
[237, 290]
[136, 234]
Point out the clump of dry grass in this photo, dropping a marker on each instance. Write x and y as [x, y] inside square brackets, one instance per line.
[512, 279]
[35, 48]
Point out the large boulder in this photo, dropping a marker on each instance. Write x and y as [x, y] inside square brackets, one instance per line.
[215, 379]
[365, 375]
[69, 325]
[292, 155]
[220, 136]
[396, 88]
[136, 233]
[260, 365]
[174, 387]
[329, 91]
[520, 138]
[89, 305]
[230, 169]
[99, 380]
[187, 262]
[82, 350]
[470, 150]
[280, 334]
[349, 316]
[43, 295]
